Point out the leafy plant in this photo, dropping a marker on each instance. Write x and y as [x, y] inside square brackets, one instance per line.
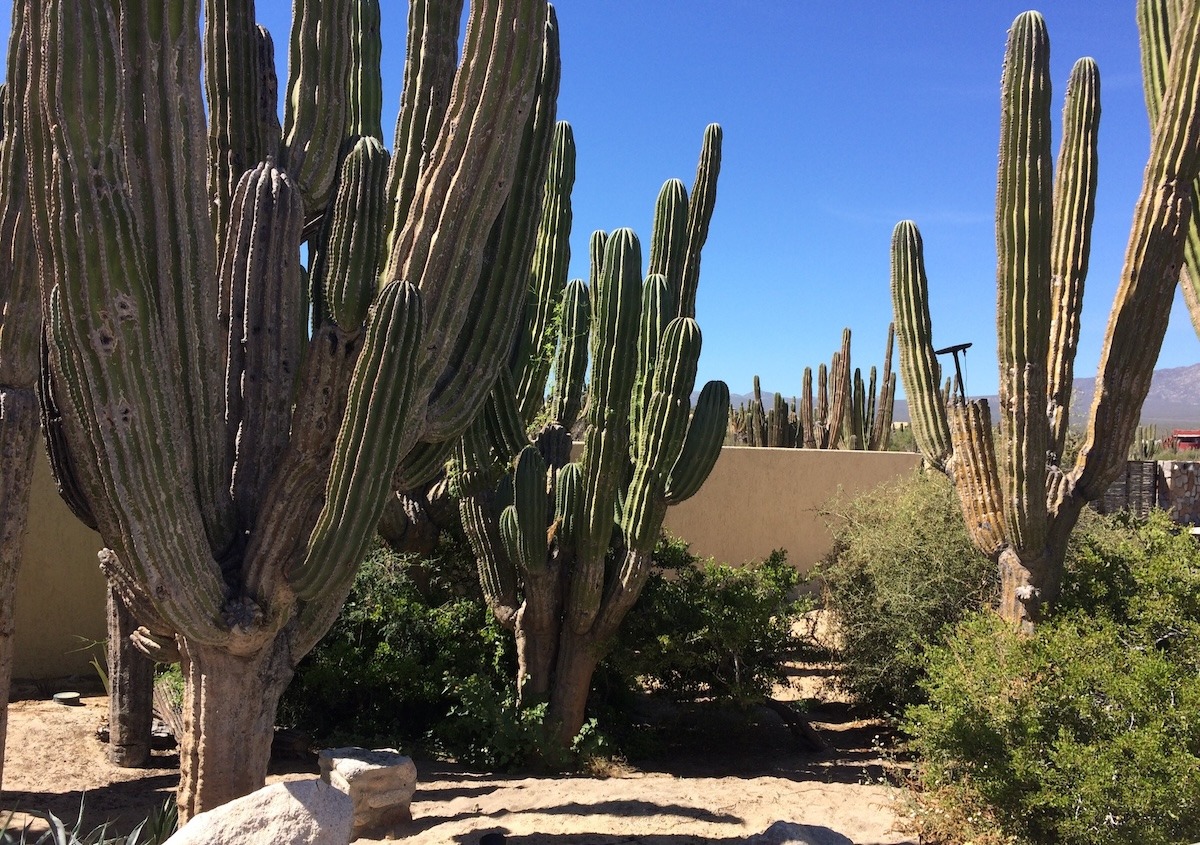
[1081, 734]
[902, 568]
[153, 830]
[710, 630]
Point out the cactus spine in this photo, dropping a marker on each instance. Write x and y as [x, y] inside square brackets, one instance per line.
[546, 556]
[234, 460]
[1019, 504]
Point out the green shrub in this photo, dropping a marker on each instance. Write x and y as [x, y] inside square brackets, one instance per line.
[901, 569]
[708, 630]
[390, 667]
[1082, 733]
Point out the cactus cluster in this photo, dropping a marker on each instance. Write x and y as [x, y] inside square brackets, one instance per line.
[845, 410]
[564, 546]
[1019, 502]
[229, 419]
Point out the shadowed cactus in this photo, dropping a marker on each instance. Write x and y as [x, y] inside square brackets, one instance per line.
[233, 422]
[564, 546]
[1019, 504]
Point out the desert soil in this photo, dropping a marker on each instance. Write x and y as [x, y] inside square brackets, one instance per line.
[728, 789]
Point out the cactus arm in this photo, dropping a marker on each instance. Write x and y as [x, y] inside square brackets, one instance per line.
[105, 324]
[807, 430]
[1023, 227]
[570, 363]
[656, 447]
[548, 277]
[165, 136]
[977, 476]
[700, 211]
[1152, 260]
[1156, 25]
[882, 427]
[260, 269]
[234, 85]
[914, 333]
[461, 195]
[839, 405]
[346, 264]
[657, 311]
[429, 66]
[364, 88]
[1074, 209]
[316, 114]
[525, 532]
[668, 239]
[368, 444]
[616, 301]
[701, 446]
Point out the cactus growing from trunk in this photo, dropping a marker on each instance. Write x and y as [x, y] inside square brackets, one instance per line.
[563, 546]
[234, 457]
[1019, 503]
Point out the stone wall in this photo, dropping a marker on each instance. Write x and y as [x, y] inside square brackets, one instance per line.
[1179, 490]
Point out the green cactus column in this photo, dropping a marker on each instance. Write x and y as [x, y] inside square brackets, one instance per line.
[20, 334]
[564, 546]
[1019, 504]
[231, 420]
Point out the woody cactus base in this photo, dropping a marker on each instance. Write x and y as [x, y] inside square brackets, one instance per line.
[1019, 503]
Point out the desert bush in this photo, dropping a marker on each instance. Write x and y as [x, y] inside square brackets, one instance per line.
[901, 569]
[709, 630]
[1087, 731]
[390, 668]
[1079, 734]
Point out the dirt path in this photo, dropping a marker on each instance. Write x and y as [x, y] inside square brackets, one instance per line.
[54, 761]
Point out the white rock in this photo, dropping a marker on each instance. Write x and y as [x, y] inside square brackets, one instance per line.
[790, 833]
[380, 784]
[303, 812]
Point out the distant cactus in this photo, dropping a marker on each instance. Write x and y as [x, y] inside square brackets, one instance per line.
[844, 411]
[556, 565]
[1019, 504]
[232, 423]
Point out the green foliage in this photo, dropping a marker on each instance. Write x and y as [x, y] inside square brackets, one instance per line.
[1078, 734]
[709, 630]
[902, 567]
[1087, 731]
[391, 665]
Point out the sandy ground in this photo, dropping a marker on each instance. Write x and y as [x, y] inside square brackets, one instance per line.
[717, 795]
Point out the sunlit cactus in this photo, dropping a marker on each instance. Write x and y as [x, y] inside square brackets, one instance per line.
[1020, 505]
[231, 420]
[564, 546]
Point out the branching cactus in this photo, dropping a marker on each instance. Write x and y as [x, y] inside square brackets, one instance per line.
[232, 423]
[564, 547]
[1020, 505]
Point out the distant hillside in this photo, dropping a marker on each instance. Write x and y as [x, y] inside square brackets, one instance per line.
[1173, 402]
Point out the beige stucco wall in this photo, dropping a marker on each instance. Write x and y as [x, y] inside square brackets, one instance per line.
[757, 500]
[60, 591]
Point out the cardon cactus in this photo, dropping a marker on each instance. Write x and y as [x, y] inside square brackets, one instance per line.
[845, 411]
[564, 547]
[20, 319]
[234, 456]
[1019, 503]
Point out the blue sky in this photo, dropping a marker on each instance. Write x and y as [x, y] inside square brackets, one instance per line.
[840, 119]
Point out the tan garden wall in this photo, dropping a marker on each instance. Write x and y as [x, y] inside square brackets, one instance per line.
[60, 591]
[756, 500]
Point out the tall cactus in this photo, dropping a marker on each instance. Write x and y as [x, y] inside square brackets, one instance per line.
[235, 459]
[1019, 504]
[19, 344]
[546, 533]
